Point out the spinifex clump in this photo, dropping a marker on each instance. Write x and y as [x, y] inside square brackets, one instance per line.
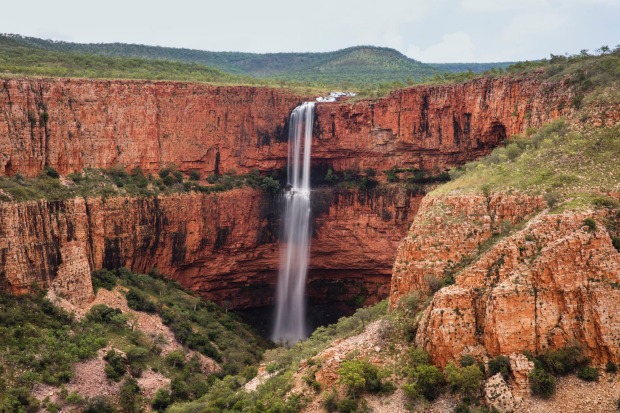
[290, 325]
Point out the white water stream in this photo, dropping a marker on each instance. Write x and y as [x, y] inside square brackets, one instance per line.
[290, 322]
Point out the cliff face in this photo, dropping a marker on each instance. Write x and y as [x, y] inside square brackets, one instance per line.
[222, 246]
[549, 283]
[71, 124]
[428, 127]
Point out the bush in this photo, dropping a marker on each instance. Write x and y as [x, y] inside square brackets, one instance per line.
[194, 176]
[103, 279]
[359, 375]
[611, 367]
[588, 373]
[500, 364]
[615, 241]
[138, 301]
[116, 367]
[137, 354]
[347, 406]
[564, 361]
[161, 400]
[102, 314]
[590, 223]
[429, 381]
[467, 360]
[99, 404]
[542, 383]
[465, 380]
[51, 172]
[130, 396]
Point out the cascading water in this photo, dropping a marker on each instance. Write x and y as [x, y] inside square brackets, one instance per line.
[290, 323]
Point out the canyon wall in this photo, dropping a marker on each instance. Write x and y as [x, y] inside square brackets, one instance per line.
[72, 124]
[525, 279]
[223, 246]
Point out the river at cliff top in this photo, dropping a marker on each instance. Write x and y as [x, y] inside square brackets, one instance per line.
[318, 314]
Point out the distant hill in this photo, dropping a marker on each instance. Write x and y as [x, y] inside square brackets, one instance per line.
[25, 58]
[355, 66]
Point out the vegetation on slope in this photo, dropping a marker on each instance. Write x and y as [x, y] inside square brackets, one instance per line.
[24, 59]
[556, 161]
[356, 68]
[40, 344]
[117, 181]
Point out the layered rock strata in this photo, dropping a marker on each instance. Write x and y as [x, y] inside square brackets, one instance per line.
[222, 246]
[72, 124]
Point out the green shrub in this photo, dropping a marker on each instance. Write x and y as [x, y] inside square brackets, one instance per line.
[102, 314]
[139, 301]
[347, 405]
[331, 402]
[464, 380]
[542, 383]
[136, 354]
[615, 241]
[99, 404]
[564, 361]
[51, 172]
[611, 367]
[588, 373]
[194, 175]
[467, 360]
[418, 357]
[429, 381]
[116, 366]
[129, 399]
[462, 408]
[161, 400]
[500, 364]
[103, 279]
[590, 223]
[175, 359]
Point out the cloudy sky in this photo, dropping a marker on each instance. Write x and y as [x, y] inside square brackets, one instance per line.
[426, 30]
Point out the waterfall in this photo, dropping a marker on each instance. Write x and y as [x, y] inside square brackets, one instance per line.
[290, 322]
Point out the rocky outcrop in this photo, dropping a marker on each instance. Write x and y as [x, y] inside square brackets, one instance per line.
[71, 124]
[222, 245]
[547, 282]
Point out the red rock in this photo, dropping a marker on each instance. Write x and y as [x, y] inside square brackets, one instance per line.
[222, 246]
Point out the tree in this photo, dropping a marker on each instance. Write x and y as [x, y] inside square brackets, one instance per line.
[465, 380]
[429, 381]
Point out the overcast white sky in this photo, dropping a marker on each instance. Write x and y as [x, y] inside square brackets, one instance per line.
[426, 30]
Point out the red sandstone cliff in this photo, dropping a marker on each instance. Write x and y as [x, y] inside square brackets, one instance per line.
[71, 124]
[549, 283]
[222, 246]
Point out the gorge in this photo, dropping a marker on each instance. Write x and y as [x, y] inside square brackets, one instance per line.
[71, 124]
[252, 199]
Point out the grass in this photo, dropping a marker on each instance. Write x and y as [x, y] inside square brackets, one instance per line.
[555, 160]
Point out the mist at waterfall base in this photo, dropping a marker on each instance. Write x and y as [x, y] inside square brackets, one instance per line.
[290, 318]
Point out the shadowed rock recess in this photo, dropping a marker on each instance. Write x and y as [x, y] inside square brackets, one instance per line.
[223, 245]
